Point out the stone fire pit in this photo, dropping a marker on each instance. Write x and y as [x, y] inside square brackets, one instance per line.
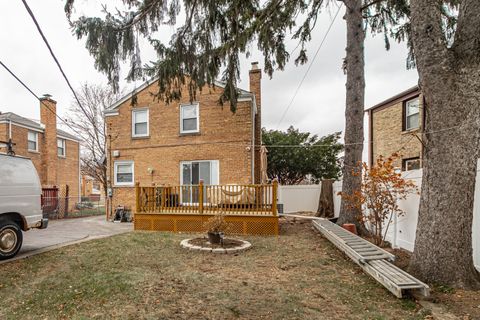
[228, 246]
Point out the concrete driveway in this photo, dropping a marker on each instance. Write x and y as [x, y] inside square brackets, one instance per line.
[68, 231]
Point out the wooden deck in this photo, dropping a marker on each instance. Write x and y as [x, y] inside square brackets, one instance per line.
[373, 260]
[248, 209]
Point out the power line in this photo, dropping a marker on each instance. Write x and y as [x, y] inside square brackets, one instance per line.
[309, 66]
[37, 97]
[53, 54]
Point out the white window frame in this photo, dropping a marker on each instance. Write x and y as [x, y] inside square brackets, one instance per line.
[115, 167]
[36, 140]
[408, 115]
[64, 147]
[407, 161]
[134, 112]
[197, 107]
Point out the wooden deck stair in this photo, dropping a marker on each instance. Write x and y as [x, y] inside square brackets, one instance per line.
[373, 260]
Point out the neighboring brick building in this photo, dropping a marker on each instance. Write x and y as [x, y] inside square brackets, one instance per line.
[54, 152]
[395, 125]
[182, 143]
[91, 188]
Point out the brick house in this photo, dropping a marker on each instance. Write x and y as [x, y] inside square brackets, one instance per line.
[183, 142]
[54, 152]
[91, 188]
[395, 125]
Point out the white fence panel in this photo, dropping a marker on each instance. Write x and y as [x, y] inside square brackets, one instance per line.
[337, 187]
[476, 220]
[299, 197]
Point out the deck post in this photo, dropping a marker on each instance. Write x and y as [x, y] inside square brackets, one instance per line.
[274, 196]
[154, 197]
[162, 199]
[200, 197]
[137, 197]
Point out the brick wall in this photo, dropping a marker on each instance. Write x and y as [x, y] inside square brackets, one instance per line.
[388, 135]
[65, 168]
[68, 168]
[223, 136]
[48, 109]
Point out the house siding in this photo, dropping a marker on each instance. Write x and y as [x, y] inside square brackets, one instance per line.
[387, 134]
[223, 136]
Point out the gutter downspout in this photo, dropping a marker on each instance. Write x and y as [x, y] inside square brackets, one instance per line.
[79, 177]
[9, 129]
[253, 111]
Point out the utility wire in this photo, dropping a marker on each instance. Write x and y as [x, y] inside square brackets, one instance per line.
[309, 66]
[53, 54]
[37, 97]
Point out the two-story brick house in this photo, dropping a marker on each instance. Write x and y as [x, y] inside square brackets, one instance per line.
[395, 126]
[54, 152]
[183, 142]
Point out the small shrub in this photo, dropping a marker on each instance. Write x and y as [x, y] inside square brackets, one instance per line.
[381, 189]
[216, 223]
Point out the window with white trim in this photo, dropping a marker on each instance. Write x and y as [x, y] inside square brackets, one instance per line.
[412, 114]
[123, 173]
[189, 118]
[61, 147]
[32, 141]
[140, 123]
[411, 164]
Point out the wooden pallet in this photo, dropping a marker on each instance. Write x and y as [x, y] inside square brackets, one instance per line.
[372, 259]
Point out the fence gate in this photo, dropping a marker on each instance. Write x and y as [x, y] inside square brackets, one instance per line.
[50, 201]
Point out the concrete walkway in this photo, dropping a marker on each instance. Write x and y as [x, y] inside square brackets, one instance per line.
[68, 231]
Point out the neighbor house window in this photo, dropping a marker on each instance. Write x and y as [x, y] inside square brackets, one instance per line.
[189, 118]
[32, 141]
[191, 172]
[411, 164]
[412, 114]
[61, 147]
[140, 123]
[123, 171]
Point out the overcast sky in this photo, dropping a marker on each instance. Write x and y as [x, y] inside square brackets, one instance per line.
[318, 106]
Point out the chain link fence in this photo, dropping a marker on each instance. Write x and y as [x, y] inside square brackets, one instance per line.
[58, 203]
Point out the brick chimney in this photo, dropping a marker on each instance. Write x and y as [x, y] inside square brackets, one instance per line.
[255, 75]
[48, 117]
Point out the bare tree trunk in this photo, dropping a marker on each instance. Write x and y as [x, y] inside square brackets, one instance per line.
[355, 100]
[450, 81]
[325, 202]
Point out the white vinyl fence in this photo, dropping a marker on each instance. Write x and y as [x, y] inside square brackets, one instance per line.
[402, 232]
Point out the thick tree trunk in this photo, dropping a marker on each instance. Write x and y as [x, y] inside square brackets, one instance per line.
[450, 81]
[325, 202]
[355, 91]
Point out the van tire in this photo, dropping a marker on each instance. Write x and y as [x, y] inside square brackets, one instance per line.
[11, 239]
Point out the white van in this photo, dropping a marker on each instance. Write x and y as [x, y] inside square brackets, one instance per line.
[20, 202]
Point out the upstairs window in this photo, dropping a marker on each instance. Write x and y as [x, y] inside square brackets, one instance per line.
[189, 118]
[32, 141]
[61, 147]
[412, 114]
[140, 123]
[123, 173]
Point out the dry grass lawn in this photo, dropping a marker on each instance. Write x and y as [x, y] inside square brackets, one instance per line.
[147, 275]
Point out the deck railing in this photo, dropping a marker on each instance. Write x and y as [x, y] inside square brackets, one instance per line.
[249, 199]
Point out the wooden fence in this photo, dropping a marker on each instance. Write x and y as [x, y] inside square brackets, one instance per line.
[249, 199]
